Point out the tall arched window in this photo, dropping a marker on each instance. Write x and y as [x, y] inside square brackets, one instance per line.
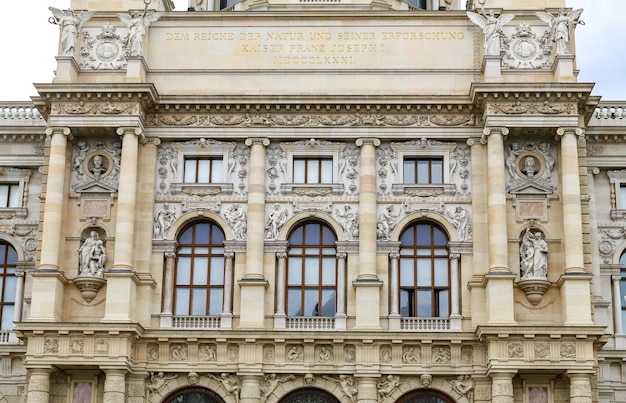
[424, 272]
[8, 283]
[199, 288]
[622, 290]
[311, 271]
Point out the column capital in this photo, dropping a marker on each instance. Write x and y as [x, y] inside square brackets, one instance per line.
[367, 140]
[132, 130]
[561, 131]
[170, 254]
[616, 277]
[229, 254]
[154, 141]
[258, 140]
[60, 130]
[474, 141]
[487, 131]
[593, 170]
[394, 255]
[281, 255]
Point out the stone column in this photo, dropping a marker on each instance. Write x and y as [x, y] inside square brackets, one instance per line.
[121, 281]
[574, 284]
[502, 387]
[367, 284]
[281, 286]
[455, 311]
[394, 291]
[19, 296]
[570, 196]
[48, 281]
[367, 391]
[499, 287]
[226, 318]
[250, 389]
[580, 388]
[168, 283]
[340, 314]
[593, 222]
[114, 386]
[617, 303]
[253, 284]
[39, 385]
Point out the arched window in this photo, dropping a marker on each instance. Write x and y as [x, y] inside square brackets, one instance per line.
[8, 284]
[311, 271]
[194, 395]
[199, 288]
[425, 396]
[622, 290]
[424, 272]
[309, 395]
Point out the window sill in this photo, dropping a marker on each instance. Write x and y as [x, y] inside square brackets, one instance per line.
[202, 189]
[312, 190]
[402, 189]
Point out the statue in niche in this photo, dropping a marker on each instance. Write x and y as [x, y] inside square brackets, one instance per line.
[70, 25]
[92, 256]
[349, 222]
[236, 217]
[137, 25]
[491, 27]
[562, 27]
[386, 223]
[163, 221]
[275, 221]
[533, 256]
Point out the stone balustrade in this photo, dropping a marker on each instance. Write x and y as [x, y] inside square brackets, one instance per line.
[19, 111]
[610, 111]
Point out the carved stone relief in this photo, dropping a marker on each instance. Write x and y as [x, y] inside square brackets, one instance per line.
[349, 221]
[235, 215]
[387, 169]
[238, 170]
[26, 235]
[607, 243]
[96, 166]
[459, 170]
[525, 50]
[275, 221]
[462, 221]
[178, 352]
[163, 221]
[348, 174]
[442, 355]
[529, 165]
[207, 352]
[104, 52]
[323, 354]
[387, 221]
[410, 356]
[567, 350]
[295, 354]
[277, 169]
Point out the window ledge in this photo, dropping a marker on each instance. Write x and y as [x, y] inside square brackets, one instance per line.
[312, 190]
[618, 214]
[202, 189]
[425, 324]
[401, 189]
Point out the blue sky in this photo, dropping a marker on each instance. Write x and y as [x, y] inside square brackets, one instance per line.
[29, 45]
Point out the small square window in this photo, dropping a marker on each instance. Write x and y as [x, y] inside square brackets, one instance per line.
[9, 195]
[203, 170]
[423, 171]
[312, 170]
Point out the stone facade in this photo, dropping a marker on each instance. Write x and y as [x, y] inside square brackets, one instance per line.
[368, 122]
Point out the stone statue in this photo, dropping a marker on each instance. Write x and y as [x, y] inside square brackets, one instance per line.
[346, 384]
[236, 217]
[386, 223]
[460, 220]
[230, 383]
[514, 150]
[293, 354]
[409, 356]
[324, 355]
[386, 386]
[270, 383]
[533, 256]
[137, 25]
[349, 222]
[491, 27]
[157, 382]
[70, 25]
[562, 27]
[207, 353]
[80, 158]
[275, 221]
[92, 256]
[163, 221]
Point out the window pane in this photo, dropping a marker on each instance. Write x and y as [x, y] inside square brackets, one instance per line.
[424, 303]
[7, 317]
[424, 273]
[327, 171]
[185, 237]
[204, 167]
[406, 303]
[408, 237]
[409, 172]
[423, 172]
[294, 303]
[15, 196]
[200, 267]
[328, 238]
[216, 172]
[217, 238]
[312, 175]
[296, 237]
[190, 171]
[440, 237]
[9, 291]
[215, 304]
[11, 255]
[442, 303]
[183, 271]
[295, 272]
[217, 271]
[199, 302]
[423, 235]
[311, 272]
[407, 273]
[441, 272]
[328, 302]
[328, 271]
[312, 234]
[182, 301]
[4, 195]
[622, 197]
[436, 167]
[311, 303]
[298, 171]
[202, 233]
